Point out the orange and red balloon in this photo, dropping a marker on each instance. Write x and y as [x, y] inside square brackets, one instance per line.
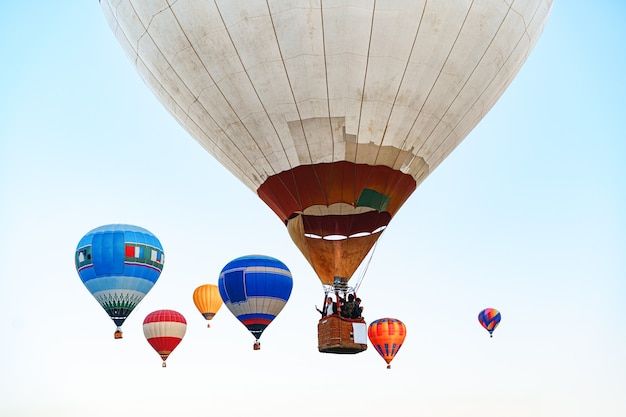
[387, 336]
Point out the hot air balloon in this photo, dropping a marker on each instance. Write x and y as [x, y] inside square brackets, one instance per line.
[489, 318]
[207, 300]
[119, 264]
[164, 330]
[332, 112]
[387, 336]
[255, 289]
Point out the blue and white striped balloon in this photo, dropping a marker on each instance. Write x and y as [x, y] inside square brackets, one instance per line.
[119, 264]
[255, 289]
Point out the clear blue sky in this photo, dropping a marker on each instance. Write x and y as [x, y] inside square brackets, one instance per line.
[527, 215]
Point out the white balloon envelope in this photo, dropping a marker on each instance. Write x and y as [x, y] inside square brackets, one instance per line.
[333, 112]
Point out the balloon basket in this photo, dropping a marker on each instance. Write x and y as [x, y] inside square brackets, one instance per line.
[117, 334]
[164, 365]
[257, 346]
[341, 336]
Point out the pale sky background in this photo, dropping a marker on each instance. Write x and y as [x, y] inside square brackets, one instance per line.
[528, 215]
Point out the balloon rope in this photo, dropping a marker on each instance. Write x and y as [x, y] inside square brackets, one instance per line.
[367, 264]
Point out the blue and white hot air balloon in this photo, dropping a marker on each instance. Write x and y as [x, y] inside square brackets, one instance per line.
[119, 264]
[255, 289]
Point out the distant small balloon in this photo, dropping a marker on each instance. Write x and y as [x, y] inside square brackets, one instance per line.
[119, 264]
[207, 300]
[489, 318]
[164, 330]
[387, 336]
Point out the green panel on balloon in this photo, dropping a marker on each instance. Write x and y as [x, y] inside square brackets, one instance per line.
[373, 199]
[83, 257]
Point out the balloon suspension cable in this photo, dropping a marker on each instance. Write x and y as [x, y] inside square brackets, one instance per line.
[342, 287]
[362, 273]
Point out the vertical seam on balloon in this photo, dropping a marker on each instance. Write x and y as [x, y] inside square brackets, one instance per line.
[296, 197]
[406, 67]
[432, 87]
[234, 161]
[358, 132]
[330, 124]
[452, 128]
[260, 148]
[367, 61]
[215, 143]
[389, 186]
[478, 97]
[282, 59]
[400, 85]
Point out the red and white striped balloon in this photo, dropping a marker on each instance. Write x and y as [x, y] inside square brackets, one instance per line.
[164, 329]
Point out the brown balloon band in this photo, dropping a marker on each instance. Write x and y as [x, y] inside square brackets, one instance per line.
[362, 186]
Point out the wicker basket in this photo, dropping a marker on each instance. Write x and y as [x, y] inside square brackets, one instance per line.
[337, 335]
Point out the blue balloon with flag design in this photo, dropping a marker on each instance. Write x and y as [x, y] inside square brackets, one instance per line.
[255, 288]
[119, 264]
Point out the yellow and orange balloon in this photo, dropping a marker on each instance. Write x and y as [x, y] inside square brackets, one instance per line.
[387, 336]
[207, 300]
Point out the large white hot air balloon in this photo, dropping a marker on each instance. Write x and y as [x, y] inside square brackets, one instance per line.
[333, 111]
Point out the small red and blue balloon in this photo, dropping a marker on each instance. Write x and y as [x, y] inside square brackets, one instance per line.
[489, 318]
